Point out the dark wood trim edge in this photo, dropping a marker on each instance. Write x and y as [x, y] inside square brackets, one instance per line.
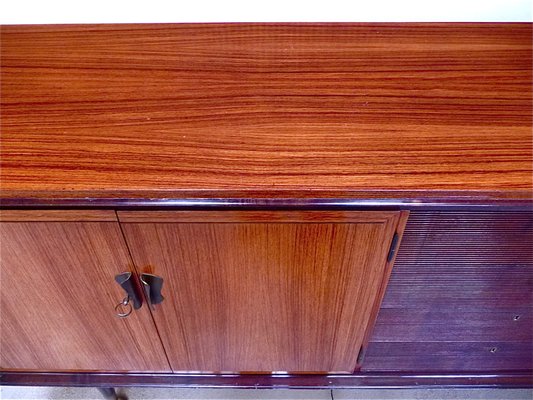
[392, 204]
[502, 379]
[279, 198]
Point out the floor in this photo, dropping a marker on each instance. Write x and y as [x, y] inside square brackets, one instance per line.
[20, 393]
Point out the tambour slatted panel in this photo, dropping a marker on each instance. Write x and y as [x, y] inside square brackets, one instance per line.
[452, 356]
[460, 297]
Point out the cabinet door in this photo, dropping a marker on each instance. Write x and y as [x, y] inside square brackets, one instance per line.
[264, 291]
[58, 296]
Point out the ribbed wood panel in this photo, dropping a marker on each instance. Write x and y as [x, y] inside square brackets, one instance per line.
[461, 291]
[451, 356]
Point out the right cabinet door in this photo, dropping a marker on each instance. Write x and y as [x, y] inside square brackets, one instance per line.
[264, 291]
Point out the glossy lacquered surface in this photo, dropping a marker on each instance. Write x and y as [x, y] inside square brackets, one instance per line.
[58, 216]
[503, 379]
[197, 111]
[58, 296]
[264, 292]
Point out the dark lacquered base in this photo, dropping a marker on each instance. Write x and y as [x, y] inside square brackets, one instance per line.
[502, 379]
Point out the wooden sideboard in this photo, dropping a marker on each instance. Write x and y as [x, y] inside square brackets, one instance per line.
[324, 205]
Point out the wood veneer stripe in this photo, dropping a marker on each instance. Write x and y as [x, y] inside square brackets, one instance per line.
[215, 108]
[378, 217]
[57, 215]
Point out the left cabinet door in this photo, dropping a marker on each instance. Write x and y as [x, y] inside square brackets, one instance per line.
[58, 296]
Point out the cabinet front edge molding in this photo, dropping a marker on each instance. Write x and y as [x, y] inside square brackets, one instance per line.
[58, 216]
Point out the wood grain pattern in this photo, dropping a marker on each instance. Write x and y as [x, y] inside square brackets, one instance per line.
[58, 215]
[342, 108]
[449, 356]
[58, 296]
[451, 325]
[263, 297]
[462, 284]
[233, 216]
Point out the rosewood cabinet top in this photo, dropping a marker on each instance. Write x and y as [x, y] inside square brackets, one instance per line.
[267, 111]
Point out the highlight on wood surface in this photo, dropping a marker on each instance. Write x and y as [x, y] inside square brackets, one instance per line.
[341, 109]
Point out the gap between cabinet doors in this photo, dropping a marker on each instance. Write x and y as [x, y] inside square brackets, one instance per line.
[58, 296]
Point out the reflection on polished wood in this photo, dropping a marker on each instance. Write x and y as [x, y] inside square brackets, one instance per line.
[260, 297]
[92, 110]
[58, 296]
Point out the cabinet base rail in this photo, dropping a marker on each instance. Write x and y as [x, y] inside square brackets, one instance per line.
[497, 379]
